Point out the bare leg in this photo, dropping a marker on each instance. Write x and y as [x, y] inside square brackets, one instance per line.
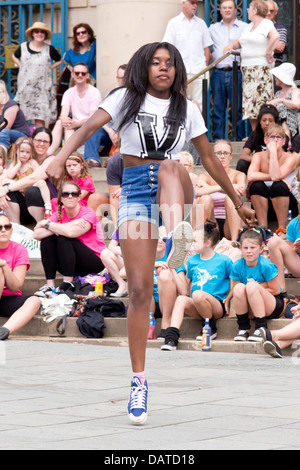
[261, 206]
[233, 221]
[283, 255]
[281, 207]
[23, 315]
[167, 292]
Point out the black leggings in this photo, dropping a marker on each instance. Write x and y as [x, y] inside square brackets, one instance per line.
[69, 256]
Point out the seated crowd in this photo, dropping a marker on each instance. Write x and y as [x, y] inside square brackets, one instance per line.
[68, 221]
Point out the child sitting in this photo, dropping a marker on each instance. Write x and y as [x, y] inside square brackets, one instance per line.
[208, 275]
[23, 164]
[256, 288]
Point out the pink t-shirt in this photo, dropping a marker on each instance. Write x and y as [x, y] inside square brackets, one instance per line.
[82, 107]
[93, 239]
[15, 255]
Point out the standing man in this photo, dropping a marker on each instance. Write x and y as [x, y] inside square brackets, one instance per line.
[190, 35]
[222, 33]
[281, 49]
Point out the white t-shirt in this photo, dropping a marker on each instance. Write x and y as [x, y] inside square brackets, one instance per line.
[148, 136]
[190, 37]
[82, 106]
[254, 43]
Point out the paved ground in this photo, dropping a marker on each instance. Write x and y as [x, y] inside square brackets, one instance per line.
[74, 396]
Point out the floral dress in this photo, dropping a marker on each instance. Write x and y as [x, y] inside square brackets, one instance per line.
[290, 116]
[35, 94]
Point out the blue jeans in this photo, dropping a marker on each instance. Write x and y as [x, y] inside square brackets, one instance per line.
[221, 86]
[9, 136]
[99, 138]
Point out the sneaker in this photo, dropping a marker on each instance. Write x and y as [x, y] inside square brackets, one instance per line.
[63, 287]
[178, 245]
[4, 333]
[43, 291]
[242, 335]
[272, 349]
[169, 345]
[266, 334]
[137, 404]
[162, 335]
[256, 337]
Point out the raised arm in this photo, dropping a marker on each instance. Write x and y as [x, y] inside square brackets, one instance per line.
[97, 120]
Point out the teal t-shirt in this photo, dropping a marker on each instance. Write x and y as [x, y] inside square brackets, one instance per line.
[211, 276]
[264, 271]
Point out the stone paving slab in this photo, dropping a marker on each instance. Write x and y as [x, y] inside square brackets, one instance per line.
[73, 397]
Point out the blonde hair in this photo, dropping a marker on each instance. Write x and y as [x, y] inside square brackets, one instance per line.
[76, 157]
[261, 7]
[225, 142]
[3, 155]
[189, 157]
[13, 154]
[277, 128]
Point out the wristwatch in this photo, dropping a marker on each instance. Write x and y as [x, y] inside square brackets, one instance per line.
[8, 186]
[47, 224]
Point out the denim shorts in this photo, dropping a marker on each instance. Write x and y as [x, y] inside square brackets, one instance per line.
[138, 195]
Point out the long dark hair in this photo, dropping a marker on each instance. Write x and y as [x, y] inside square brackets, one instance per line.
[259, 135]
[136, 82]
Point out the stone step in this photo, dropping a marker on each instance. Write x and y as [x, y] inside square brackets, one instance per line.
[115, 334]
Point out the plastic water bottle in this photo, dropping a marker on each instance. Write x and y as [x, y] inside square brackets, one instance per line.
[99, 286]
[289, 218]
[151, 332]
[206, 335]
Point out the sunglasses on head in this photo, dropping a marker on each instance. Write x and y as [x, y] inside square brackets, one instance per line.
[5, 227]
[80, 73]
[66, 194]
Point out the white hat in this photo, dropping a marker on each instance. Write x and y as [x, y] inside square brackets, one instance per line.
[286, 73]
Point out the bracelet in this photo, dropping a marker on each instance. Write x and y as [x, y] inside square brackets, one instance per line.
[238, 207]
[47, 224]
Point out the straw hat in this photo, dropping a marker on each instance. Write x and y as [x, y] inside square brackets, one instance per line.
[286, 73]
[38, 25]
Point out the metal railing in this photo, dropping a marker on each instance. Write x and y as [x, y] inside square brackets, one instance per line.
[234, 108]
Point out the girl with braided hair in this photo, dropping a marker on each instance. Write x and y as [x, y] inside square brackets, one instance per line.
[71, 240]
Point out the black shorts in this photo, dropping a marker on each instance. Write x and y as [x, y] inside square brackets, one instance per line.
[9, 304]
[278, 307]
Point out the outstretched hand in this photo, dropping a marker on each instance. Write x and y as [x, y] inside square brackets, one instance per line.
[55, 171]
[247, 214]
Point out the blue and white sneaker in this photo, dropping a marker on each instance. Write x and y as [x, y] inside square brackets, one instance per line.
[137, 404]
[179, 244]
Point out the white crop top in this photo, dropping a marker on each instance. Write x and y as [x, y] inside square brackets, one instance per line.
[148, 136]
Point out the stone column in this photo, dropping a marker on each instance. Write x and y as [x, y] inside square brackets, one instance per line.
[124, 26]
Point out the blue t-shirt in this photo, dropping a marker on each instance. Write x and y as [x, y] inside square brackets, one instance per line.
[211, 276]
[264, 271]
[89, 58]
[155, 281]
[293, 230]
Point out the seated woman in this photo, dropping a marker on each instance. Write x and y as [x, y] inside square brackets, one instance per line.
[187, 160]
[71, 240]
[16, 123]
[273, 177]
[268, 116]
[287, 101]
[216, 204]
[14, 263]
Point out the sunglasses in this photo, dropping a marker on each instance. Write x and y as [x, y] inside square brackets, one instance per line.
[78, 33]
[65, 194]
[163, 239]
[80, 73]
[5, 227]
[39, 31]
